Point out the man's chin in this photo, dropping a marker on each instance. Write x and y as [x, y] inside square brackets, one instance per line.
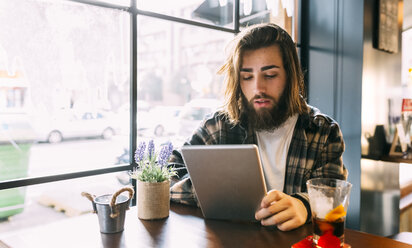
[263, 109]
[266, 107]
[267, 119]
[268, 115]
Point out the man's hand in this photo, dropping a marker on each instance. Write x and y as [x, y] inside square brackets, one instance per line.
[282, 210]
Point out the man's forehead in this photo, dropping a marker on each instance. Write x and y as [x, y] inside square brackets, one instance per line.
[265, 57]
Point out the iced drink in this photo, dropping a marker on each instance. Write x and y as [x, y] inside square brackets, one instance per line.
[329, 200]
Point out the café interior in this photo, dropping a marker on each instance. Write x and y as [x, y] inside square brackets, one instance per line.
[83, 82]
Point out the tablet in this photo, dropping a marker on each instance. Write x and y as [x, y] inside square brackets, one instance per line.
[228, 180]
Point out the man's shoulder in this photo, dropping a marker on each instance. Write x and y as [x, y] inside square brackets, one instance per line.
[218, 129]
[317, 118]
[220, 121]
[216, 118]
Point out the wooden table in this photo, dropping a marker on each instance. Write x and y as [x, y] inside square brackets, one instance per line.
[185, 227]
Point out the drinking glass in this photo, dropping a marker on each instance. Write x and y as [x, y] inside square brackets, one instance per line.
[329, 200]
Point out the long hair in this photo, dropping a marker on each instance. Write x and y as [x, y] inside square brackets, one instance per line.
[252, 38]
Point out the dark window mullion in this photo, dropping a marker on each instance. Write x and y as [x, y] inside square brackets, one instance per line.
[133, 89]
[15, 183]
[236, 15]
[303, 41]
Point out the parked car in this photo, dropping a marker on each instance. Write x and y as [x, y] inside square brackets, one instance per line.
[194, 112]
[122, 115]
[159, 121]
[69, 124]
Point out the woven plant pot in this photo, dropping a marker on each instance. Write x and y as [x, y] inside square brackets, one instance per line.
[153, 200]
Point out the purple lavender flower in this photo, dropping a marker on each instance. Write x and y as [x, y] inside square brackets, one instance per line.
[164, 154]
[170, 148]
[139, 154]
[151, 150]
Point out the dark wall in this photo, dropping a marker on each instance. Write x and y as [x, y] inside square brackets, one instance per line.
[335, 55]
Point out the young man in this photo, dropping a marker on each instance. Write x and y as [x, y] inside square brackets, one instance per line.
[264, 106]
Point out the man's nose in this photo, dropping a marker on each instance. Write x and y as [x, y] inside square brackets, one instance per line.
[260, 84]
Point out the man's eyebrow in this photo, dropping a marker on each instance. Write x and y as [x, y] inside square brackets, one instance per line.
[246, 69]
[264, 68]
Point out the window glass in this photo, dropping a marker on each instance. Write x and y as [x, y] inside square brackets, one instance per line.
[64, 85]
[215, 12]
[280, 12]
[177, 78]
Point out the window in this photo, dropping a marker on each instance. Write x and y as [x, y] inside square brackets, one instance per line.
[63, 64]
[177, 65]
[69, 85]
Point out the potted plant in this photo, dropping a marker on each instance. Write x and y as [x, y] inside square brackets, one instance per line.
[153, 180]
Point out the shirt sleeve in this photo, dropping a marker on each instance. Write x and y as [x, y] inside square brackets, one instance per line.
[329, 163]
[183, 192]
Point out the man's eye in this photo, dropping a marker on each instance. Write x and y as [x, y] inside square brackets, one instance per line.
[247, 77]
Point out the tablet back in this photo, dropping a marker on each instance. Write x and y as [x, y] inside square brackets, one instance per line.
[228, 180]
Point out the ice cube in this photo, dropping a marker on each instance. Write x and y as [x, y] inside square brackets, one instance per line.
[320, 203]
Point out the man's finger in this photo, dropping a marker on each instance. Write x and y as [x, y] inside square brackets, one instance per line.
[272, 209]
[262, 214]
[272, 196]
[288, 225]
[278, 206]
[277, 219]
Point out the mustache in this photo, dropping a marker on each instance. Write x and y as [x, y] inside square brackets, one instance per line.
[262, 95]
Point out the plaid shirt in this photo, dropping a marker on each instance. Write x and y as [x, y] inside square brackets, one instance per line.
[315, 151]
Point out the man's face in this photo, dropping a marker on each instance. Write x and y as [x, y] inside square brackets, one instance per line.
[263, 77]
[263, 81]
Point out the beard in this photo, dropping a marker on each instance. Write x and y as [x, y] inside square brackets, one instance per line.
[267, 119]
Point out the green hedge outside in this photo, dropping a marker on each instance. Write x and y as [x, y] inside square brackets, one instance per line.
[14, 161]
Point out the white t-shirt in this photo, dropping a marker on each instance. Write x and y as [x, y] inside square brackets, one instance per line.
[273, 149]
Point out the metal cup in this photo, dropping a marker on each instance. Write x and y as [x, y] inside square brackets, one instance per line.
[111, 210]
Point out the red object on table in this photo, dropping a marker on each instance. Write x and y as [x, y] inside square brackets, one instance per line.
[308, 243]
[328, 240]
[304, 243]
